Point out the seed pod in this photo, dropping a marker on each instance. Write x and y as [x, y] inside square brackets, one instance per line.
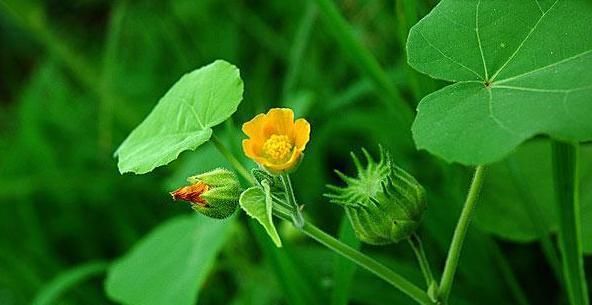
[384, 203]
[214, 193]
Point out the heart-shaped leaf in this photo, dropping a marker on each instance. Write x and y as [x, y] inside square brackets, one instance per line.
[257, 203]
[521, 68]
[170, 264]
[183, 118]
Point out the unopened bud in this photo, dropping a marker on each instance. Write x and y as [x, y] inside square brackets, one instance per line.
[214, 193]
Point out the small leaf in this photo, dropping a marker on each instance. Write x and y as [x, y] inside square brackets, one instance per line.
[521, 68]
[183, 118]
[170, 264]
[258, 204]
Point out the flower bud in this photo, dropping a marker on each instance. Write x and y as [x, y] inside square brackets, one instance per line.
[384, 203]
[214, 193]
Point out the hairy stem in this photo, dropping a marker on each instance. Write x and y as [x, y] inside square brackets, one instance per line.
[297, 217]
[366, 262]
[337, 246]
[459, 235]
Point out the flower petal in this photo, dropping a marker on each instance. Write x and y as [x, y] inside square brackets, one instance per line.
[301, 134]
[251, 149]
[254, 127]
[279, 121]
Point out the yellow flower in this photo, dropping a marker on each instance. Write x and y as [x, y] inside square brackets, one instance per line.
[276, 141]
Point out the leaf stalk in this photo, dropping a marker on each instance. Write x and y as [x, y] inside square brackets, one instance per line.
[459, 235]
[565, 169]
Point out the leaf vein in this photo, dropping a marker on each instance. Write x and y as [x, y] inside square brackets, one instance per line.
[524, 41]
[186, 104]
[544, 67]
[448, 57]
[495, 119]
[479, 39]
[539, 5]
[544, 90]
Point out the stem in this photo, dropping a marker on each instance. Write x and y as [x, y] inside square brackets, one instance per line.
[366, 262]
[297, 217]
[337, 246]
[242, 170]
[459, 235]
[417, 247]
[565, 168]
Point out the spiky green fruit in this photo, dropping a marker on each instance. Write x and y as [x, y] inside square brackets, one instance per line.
[384, 203]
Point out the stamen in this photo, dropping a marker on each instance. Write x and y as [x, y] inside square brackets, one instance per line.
[278, 148]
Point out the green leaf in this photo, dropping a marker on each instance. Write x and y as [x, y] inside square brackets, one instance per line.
[517, 200]
[521, 68]
[170, 264]
[258, 204]
[517, 196]
[183, 118]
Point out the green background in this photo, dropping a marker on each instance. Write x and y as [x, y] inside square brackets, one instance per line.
[77, 76]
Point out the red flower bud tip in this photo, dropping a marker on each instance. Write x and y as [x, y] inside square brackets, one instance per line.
[191, 193]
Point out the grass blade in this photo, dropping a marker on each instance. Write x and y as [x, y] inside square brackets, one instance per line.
[363, 59]
[298, 48]
[343, 269]
[51, 292]
[296, 287]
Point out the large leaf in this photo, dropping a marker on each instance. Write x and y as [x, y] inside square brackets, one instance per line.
[170, 264]
[257, 203]
[521, 68]
[517, 200]
[183, 118]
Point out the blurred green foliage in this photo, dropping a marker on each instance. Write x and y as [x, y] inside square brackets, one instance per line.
[78, 76]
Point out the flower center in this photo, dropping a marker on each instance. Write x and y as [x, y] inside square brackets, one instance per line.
[278, 147]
